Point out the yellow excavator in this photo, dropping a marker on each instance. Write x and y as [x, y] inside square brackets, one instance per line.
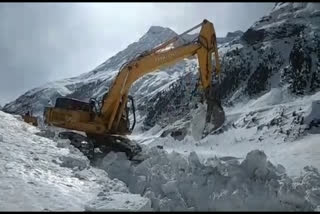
[106, 124]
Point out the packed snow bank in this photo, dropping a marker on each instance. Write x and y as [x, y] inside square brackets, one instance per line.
[274, 97]
[174, 182]
[313, 112]
[36, 175]
[198, 122]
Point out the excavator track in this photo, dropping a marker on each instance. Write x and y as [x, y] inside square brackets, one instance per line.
[116, 143]
[79, 141]
[215, 116]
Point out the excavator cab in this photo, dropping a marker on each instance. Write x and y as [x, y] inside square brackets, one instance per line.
[93, 107]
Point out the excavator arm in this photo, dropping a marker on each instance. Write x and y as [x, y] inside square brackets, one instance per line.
[78, 116]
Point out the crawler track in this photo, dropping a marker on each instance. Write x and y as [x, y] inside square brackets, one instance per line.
[106, 144]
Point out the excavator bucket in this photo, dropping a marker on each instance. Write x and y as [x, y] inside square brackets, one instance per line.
[215, 116]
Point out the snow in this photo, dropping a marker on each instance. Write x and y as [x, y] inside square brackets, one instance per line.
[36, 175]
[115, 201]
[39, 174]
[233, 170]
[227, 48]
[275, 24]
[273, 97]
[176, 182]
[246, 136]
[313, 113]
[198, 122]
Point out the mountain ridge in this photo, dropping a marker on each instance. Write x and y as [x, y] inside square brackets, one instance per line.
[99, 77]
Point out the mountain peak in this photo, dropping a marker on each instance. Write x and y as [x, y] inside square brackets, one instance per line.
[234, 34]
[157, 29]
[158, 33]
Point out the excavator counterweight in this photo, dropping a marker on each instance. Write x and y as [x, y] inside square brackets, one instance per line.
[108, 124]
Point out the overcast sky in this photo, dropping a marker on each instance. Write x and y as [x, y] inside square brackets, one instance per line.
[42, 42]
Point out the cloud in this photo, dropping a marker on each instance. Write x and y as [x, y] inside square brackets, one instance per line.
[41, 42]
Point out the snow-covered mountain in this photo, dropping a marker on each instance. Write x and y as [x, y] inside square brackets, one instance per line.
[96, 82]
[279, 51]
[41, 174]
[91, 84]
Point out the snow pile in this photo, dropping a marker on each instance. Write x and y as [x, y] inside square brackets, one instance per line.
[174, 182]
[116, 201]
[313, 113]
[36, 175]
[198, 122]
[282, 128]
[273, 97]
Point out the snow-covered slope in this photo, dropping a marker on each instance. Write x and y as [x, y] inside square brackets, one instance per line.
[175, 182]
[39, 174]
[287, 130]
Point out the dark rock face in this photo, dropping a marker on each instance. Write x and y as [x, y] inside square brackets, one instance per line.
[84, 92]
[258, 81]
[177, 134]
[172, 104]
[229, 37]
[270, 63]
[234, 34]
[300, 64]
[249, 70]
[302, 73]
[236, 69]
[252, 36]
[287, 30]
